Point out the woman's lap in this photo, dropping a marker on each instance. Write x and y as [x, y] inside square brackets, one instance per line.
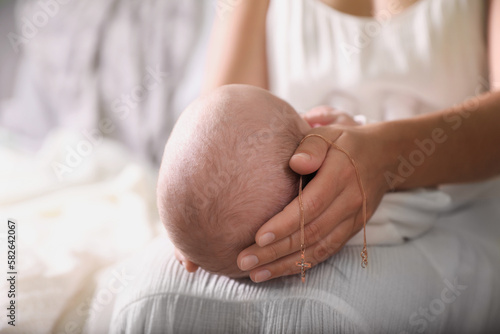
[444, 281]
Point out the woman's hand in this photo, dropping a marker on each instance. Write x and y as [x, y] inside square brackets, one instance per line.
[332, 202]
[326, 115]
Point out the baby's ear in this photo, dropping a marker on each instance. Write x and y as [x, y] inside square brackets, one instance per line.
[190, 266]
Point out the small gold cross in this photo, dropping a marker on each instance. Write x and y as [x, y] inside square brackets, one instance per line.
[303, 265]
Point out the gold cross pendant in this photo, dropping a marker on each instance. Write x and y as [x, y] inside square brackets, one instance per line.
[303, 265]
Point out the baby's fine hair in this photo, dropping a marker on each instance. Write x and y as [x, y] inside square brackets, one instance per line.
[233, 179]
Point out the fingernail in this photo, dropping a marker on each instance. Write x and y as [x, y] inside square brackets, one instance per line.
[248, 262]
[303, 156]
[266, 239]
[262, 275]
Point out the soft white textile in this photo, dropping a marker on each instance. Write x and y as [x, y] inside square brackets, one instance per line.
[69, 227]
[404, 215]
[405, 289]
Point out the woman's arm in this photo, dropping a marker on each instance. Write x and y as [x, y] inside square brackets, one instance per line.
[463, 142]
[456, 145]
[236, 54]
[459, 144]
[237, 51]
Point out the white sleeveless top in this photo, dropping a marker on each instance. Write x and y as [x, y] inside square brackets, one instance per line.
[427, 57]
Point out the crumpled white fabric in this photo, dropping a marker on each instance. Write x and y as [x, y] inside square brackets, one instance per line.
[69, 228]
[402, 216]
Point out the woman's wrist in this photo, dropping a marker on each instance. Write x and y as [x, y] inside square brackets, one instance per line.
[455, 145]
[382, 150]
[367, 146]
[408, 150]
[388, 145]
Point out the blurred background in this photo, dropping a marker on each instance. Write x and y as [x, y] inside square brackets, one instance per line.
[71, 63]
[89, 91]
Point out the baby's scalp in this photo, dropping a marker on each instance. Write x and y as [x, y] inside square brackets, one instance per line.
[225, 172]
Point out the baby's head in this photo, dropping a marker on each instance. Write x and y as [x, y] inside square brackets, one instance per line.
[225, 173]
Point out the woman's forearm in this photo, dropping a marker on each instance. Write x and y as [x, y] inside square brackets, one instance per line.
[237, 50]
[460, 144]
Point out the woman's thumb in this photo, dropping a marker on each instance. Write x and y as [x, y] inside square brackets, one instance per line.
[309, 156]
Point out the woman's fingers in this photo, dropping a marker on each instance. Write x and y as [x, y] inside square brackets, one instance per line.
[314, 255]
[334, 195]
[320, 116]
[311, 153]
[317, 197]
[280, 236]
[309, 156]
[326, 115]
[313, 233]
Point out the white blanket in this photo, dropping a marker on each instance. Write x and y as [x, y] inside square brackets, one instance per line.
[402, 216]
[71, 226]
